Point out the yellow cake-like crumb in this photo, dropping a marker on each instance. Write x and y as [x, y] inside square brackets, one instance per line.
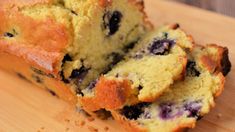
[71, 41]
[149, 74]
[186, 101]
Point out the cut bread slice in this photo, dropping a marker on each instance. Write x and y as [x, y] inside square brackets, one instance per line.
[148, 70]
[186, 101]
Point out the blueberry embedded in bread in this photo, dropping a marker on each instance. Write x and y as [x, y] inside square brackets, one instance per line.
[112, 22]
[186, 101]
[70, 41]
[146, 72]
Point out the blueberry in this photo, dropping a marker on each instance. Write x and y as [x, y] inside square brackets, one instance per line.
[134, 112]
[193, 108]
[225, 63]
[112, 21]
[160, 46]
[67, 57]
[166, 110]
[191, 69]
[7, 34]
[140, 87]
[79, 74]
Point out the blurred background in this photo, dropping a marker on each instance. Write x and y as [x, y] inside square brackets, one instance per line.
[226, 7]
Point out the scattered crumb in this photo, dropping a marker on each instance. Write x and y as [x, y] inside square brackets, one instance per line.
[67, 120]
[67, 129]
[40, 130]
[82, 123]
[219, 115]
[90, 119]
[92, 129]
[106, 128]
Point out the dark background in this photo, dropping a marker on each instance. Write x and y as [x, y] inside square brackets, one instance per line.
[226, 7]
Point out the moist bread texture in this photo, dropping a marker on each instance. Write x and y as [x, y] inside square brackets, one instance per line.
[147, 71]
[186, 101]
[66, 44]
[104, 56]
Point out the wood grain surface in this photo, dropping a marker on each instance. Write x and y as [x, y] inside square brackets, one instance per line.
[26, 108]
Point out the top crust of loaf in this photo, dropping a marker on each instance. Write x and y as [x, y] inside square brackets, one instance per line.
[42, 46]
[21, 3]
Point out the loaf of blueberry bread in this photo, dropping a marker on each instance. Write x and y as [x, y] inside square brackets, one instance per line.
[147, 71]
[63, 45]
[186, 101]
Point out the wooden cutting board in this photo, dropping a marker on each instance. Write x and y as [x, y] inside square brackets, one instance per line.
[26, 108]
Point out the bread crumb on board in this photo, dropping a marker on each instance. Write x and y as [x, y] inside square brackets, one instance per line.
[219, 115]
[92, 129]
[106, 128]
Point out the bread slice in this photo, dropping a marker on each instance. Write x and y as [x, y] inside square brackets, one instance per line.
[152, 66]
[186, 101]
[63, 45]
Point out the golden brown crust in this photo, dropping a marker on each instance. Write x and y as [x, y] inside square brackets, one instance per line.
[8, 4]
[211, 64]
[42, 47]
[104, 3]
[19, 66]
[109, 94]
[139, 4]
[219, 62]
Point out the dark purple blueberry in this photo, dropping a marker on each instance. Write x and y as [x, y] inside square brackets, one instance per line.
[112, 21]
[160, 46]
[67, 57]
[92, 84]
[7, 34]
[225, 63]
[166, 110]
[193, 108]
[140, 87]
[170, 110]
[79, 74]
[191, 69]
[134, 112]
